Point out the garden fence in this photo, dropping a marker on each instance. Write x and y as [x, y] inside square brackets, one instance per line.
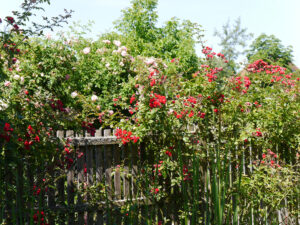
[106, 168]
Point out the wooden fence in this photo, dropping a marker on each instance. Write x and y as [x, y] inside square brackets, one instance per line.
[101, 187]
[98, 166]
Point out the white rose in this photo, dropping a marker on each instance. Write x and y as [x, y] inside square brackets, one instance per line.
[117, 43]
[22, 80]
[106, 41]
[149, 61]
[94, 98]
[107, 65]
[74, 94]
[7, 83]
[86, 50]
[16, 77]
[123, 53]
[3, 105]
[123, 48]
[121, 64]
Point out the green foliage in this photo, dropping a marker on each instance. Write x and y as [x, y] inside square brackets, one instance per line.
[174, 40]
[136, 81]
[267, 188]
[270, 49]
[139, 20]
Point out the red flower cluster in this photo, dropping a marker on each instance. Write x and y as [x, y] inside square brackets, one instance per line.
[168, 153]
[153, 73]
[157, 101]
[181, 114]
[211, 73]
[192, 100]
[216, 99]
[58, 104]
[41, 215]
[7, 132]
[257, 133]
[201, 115]
[154, 190]
[89, 127]
[68, 159]
[261, 66]
[209, 54]
[132, 99]
[31, 136]
[286, 80]
[36, 190]
[10, 19]
[241, 83]
[269, 159]
[11, 46]
[152, 82]
[186, 174]
[175, 60]
[126, 136]
[156, 168]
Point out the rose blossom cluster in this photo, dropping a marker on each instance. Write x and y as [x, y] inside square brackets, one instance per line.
[157, 101]
[7, 132]
[126, 136]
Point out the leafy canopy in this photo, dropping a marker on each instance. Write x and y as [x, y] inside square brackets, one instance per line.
[176, 39]
[270, 49]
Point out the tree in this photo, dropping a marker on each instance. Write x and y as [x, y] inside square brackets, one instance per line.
[270, 49]
[176, 39]
[233, 37]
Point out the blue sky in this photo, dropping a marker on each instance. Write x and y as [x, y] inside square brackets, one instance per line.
[278, 17]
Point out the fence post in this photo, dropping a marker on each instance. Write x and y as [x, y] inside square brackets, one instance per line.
[80, 179]
[108, 180]
[89, 168]
[99, 174]
[70, 184]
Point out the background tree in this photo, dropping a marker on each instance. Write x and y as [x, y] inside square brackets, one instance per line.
[232, 38]
[176, 39]
[270, 49]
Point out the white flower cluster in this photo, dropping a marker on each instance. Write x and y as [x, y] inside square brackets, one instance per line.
[94, 98]
[150, 62]
[86, 50]
[74, 94]
[3, 105]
